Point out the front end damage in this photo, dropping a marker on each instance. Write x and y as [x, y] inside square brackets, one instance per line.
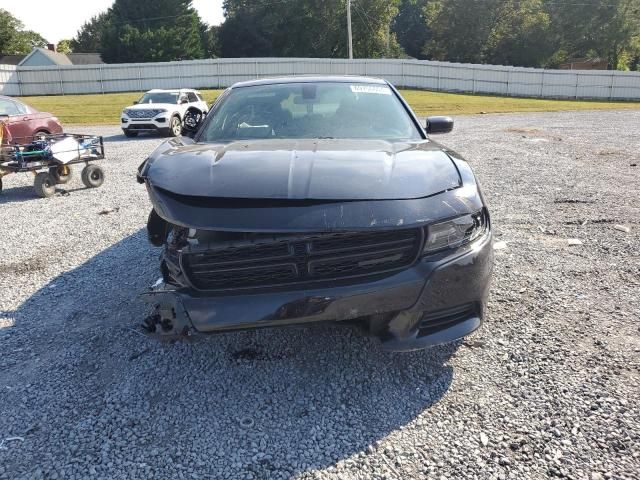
[231, 264]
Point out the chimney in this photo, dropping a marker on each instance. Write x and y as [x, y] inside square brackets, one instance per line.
[51, 46]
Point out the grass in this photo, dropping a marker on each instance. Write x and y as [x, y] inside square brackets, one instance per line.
[438, 103]
[105, 109]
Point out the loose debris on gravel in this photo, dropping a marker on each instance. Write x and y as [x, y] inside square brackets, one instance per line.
[549, 387]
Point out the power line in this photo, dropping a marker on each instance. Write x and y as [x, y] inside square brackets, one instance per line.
[368, 25]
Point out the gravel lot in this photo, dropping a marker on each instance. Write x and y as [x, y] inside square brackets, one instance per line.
[549, 387]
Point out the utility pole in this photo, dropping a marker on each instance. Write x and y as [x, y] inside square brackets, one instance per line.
[349, 29]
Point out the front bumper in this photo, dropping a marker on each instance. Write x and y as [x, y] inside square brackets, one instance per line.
[159, 122]
[437, 300]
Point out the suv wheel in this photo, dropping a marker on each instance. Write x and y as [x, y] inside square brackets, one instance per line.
[175, 128]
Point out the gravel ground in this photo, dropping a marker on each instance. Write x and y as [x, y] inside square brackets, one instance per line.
[548, 387]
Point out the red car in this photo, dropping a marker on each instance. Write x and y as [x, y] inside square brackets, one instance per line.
[24, 122]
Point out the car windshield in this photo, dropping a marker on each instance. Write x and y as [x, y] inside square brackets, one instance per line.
[160, 97]
[310, 110]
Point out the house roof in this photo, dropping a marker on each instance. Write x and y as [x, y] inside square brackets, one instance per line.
[85, 58]
[55, 57]
[11, 59]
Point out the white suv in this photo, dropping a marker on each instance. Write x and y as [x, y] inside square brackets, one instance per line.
[162, 111]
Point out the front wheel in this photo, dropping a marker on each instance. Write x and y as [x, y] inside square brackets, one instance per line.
[129, 133]
[175, 127]
[44, 185]
[92, 176]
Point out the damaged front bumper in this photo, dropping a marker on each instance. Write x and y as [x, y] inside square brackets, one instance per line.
[437, 300]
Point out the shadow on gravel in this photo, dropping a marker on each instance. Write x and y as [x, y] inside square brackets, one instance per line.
[27, 193]
[86, 391]
[123, 138]
[17, 194]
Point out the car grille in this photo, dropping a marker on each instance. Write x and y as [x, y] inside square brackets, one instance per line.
[302, 259]
[143, 113]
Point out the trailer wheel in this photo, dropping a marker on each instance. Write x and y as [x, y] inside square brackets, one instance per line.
[92, 176]
[44, 185]
[61, 174]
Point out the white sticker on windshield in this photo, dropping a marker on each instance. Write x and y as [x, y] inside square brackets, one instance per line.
[377, 89]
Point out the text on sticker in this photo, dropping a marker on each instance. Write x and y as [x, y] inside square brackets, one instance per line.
[379, 90]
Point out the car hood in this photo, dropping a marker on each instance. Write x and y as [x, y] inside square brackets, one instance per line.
[152, 106]
[303, 169]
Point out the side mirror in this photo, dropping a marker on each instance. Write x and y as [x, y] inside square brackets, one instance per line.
[183, 101]
[135, 102]
[439, 125]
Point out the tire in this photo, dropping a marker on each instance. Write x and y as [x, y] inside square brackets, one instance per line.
[58, 174]
[44, 185]
[0, 185]
[175, 128]
[92, 176]
[129, 133]
[41, 135]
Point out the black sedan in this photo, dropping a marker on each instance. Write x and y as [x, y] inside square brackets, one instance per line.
[305, 199]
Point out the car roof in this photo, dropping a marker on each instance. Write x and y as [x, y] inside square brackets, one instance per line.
[311, 79]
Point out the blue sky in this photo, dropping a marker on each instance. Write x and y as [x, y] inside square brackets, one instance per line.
[60, 19]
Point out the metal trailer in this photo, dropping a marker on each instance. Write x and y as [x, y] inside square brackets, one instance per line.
[49, 158]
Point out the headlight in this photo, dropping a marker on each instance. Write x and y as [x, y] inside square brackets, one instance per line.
[456, 232]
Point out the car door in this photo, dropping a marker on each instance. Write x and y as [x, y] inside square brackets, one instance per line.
[17, 122]
[34, 120]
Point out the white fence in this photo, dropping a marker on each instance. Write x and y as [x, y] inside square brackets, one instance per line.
[218, 73]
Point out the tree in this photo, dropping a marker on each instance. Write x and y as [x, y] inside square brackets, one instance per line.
[603, 29]
[241, 35]
[459, 29]
[410, 27]
[210, 41]
[13, 39]
[146, 31]
[532, 33]
[151, 31]
[89, 37]
[9, 25]
[64, 46]
[26, 40]
[307, 28]
[520, 35]
[374, 35]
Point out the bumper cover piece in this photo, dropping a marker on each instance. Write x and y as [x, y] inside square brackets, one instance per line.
[432, 302]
